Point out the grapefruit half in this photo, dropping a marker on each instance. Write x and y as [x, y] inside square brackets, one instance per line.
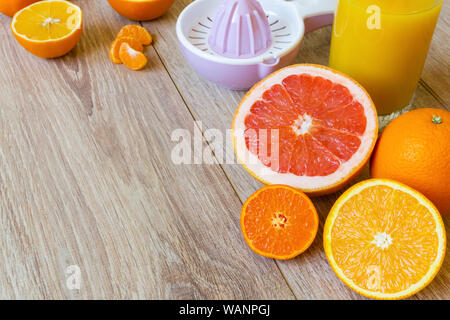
[306, 126]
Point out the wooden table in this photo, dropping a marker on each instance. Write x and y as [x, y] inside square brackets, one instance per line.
[86, 176]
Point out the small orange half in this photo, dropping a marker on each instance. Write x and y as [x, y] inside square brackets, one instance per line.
[279, 222]
[384, 240]
[48, 29]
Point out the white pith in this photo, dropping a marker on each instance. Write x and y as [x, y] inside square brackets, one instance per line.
[440, 231]
[50, 21]
[78, 10]
[254, 165]
[279, 220]
[131, 51]
[302, 124]
[382, 240]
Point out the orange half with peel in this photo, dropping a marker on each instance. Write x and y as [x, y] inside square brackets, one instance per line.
[384, 240]
[306, 126]
[279, 222]
[48, 29]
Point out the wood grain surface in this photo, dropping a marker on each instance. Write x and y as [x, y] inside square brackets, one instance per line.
[86, 176]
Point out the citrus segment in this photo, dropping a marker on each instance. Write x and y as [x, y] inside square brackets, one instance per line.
[343, 145]
[384, 240]
[137, 32]
[133, 59]
[114, 51]
[279, 222]
[48, 28]
[306, 126]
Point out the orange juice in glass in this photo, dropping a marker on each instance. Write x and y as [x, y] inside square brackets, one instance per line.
[383, 45]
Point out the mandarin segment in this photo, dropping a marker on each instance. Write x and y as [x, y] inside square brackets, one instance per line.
[133, 59]
[114, 51]
[279, 222]
[384, 240]
[137, 32]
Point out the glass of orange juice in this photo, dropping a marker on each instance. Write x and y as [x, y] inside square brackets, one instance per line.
[383, 45]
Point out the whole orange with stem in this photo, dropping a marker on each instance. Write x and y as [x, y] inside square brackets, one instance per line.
[141, 10]
[10, 7]
[415, 150]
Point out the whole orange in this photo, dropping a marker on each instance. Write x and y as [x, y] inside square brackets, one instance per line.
[141, 10]
[415, 150]
[10, 7]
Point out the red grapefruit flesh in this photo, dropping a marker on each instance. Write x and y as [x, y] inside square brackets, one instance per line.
[306, 126]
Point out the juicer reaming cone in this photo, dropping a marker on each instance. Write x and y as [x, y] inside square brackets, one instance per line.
[236, 43]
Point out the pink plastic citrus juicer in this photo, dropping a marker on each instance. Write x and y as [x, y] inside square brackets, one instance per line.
[236, 43]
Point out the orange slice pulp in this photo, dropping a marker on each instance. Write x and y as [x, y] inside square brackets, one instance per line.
[279, 222]
[384, 240]
[306, 126]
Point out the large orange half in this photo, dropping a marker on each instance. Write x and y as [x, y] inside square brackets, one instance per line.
[49, 28]
[384, 240]
[279, 222]
[306, 126]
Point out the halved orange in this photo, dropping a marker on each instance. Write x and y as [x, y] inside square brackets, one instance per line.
[279, 222]
[306, 126]
[133, 59]
[48, 29]
[384, 240]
